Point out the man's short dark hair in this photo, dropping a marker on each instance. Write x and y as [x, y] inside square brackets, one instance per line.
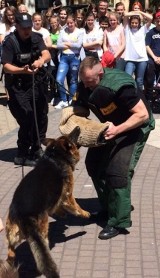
[88, 62]
[104, 18]
[119, 4]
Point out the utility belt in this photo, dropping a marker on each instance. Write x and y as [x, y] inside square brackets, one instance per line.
[17, 81]
[25, 81]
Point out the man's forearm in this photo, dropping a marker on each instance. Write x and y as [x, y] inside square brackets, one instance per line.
[9, 68]
[44, 58]
[134, 121]
[139, 116]
[45, 55]
[150, 52]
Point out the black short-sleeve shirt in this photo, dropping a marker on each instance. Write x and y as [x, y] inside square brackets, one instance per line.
[153, 41]
[9, 50]
[109, 105]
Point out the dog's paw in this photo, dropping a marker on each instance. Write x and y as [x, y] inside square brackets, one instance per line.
[85, 214]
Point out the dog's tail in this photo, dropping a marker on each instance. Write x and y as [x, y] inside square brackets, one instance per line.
[41, 251]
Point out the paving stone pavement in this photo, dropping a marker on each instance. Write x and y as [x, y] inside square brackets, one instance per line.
[74, 242]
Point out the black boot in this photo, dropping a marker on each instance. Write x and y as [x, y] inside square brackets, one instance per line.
[36, 154]
[24, 161]
[108, 232]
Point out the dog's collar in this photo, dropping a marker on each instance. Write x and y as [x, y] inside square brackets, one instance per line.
[51, 156]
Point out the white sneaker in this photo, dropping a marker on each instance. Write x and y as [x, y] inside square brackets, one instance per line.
[70, 102]
[61, 104]
[52, 101]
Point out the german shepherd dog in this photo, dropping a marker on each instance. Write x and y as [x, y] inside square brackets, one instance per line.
[45, 190]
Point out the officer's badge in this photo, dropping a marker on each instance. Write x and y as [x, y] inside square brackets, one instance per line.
[108, 109]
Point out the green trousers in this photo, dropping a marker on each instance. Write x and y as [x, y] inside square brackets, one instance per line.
[111, 168]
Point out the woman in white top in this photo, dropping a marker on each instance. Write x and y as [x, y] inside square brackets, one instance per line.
[69, 43]
[6, 27]
[3, 5]
[37, 27]
[135, 53]
[8, 22]
[93, 37]
[114, 40]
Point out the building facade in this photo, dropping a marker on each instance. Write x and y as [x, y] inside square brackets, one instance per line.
[44, 4]
[129, 3]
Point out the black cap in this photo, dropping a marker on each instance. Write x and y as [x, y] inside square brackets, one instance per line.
[23, 19]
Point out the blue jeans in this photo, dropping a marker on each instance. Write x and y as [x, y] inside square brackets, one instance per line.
[69, 65]
[138, 68]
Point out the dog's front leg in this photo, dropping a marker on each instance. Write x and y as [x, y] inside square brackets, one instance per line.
[70, 205]
[60, 211]
[7, 268]
[14, 237]
[43, 226]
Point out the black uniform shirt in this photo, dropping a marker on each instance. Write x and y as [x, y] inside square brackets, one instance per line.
[34, 45]
[108, 105]
[9, 50]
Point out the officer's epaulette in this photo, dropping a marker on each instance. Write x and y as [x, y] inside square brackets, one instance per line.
[7, 37]
[35, 35]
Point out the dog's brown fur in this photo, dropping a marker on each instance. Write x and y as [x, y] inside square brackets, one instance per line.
[45, 190]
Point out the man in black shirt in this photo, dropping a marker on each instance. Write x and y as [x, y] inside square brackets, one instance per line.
[112, 96]
[23, 56]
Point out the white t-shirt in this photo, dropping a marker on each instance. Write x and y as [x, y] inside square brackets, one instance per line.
[135, 44]
[43, 31]
[3, 30]
[45, 34]
[94, 35]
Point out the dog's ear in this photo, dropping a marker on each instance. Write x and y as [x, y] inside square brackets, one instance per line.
[66, 144]
[73, 136]
[48, 142]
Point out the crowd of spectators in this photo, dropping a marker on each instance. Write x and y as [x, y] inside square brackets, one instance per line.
[128, 41]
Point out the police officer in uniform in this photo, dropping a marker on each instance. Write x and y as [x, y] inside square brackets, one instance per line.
[112, 96]
[24, 54]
